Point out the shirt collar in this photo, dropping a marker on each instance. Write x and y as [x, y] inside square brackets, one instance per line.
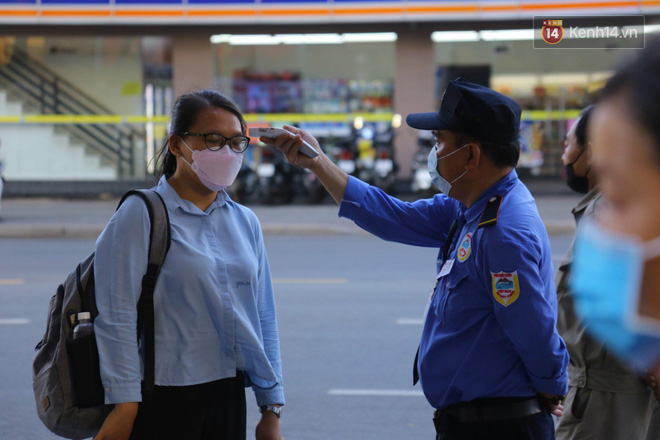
[584, 203]
[170, 195]
[500, 187]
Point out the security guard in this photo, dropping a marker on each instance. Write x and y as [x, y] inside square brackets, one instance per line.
[490, 359]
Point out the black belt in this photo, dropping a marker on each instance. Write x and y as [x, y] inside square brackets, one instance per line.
[485, 410]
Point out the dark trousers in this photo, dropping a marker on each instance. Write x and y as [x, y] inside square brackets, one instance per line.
[535, 427]
[214, 410]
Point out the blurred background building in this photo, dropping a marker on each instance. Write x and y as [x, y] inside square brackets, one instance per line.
[86, 85]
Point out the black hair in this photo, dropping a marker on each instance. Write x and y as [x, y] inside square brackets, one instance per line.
[582, 126]
[638, 82]
[502, 154]
[184, 113]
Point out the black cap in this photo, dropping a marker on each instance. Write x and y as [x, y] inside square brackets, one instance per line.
[473, 109]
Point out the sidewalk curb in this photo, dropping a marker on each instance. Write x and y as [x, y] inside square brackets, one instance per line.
[60, 231]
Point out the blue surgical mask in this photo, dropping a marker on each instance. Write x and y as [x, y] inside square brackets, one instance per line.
[440, 182]
[606, 282]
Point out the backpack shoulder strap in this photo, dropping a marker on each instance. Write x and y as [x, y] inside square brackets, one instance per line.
[159, 244]
[159, 239]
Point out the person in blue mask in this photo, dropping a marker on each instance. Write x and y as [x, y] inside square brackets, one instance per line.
[616, 273]
[490, 360]
[605, 399]
[215, 323]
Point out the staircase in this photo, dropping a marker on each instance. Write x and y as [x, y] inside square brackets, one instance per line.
[42, 152]
[64, 151]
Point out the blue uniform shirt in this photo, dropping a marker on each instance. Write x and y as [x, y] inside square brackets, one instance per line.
[490, 328]
[214, 303]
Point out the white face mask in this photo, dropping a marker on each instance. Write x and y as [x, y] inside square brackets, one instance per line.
[215, 169]
[440, 182]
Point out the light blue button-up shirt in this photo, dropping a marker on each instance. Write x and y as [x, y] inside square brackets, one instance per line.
[214, 302]
[490, 329]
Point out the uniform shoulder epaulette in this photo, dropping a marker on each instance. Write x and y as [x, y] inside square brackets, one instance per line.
[492, 210]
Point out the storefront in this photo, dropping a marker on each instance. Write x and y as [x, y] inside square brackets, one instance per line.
[330, 67]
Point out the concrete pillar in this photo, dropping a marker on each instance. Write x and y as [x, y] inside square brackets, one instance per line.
[414, 90]
[192, 63]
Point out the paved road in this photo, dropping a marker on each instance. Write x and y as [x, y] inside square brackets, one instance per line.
[349, 308]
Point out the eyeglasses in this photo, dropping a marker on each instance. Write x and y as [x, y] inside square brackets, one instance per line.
[215, 141]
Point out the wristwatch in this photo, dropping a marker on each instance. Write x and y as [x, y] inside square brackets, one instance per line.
[274, 409]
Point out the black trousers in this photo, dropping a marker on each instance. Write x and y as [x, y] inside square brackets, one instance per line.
[535, 427]
[214, 410]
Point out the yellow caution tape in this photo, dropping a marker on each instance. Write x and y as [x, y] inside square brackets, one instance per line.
[317, 117]
[146, 119]
[529, 115]
[73, 119]
[554, 115]
[10, 119]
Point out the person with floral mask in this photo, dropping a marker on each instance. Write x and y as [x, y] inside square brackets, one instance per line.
[215, 323]
[605, 399]
[490, 360]
[616, 270]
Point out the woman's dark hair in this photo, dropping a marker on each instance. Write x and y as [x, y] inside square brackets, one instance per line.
[582, 126]
[639, 82]
[184, 114]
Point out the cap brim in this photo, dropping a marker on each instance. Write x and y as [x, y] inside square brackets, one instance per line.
[426, 121]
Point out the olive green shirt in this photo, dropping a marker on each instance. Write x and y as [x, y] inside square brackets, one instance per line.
[591, 366]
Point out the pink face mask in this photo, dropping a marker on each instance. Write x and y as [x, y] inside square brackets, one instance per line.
[215, 169]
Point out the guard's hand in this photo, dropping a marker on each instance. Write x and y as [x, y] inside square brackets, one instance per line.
[268, 427]
[553, 403]
[289, 145]
[119, 423]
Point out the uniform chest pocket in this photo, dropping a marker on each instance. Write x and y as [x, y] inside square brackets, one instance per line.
[455, 286]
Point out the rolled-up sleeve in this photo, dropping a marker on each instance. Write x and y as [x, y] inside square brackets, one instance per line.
[525, 307]
[120, 263]
[422, 223]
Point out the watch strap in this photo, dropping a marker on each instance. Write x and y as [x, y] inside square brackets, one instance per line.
[277, 410]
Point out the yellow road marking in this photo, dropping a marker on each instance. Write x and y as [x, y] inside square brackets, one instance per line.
[14, 321]
[11, 281]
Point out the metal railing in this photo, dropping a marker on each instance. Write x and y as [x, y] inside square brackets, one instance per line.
[39, 87]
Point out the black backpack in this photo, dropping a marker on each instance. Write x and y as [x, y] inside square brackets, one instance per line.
[66, 376]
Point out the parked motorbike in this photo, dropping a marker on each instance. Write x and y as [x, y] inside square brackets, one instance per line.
[421, 180]
[244, 188]
[276, 177]
[314, 191]
[343, 154]
[385, 168]
[364, 162]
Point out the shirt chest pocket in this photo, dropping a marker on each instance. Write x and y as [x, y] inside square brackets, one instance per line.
[455, 288]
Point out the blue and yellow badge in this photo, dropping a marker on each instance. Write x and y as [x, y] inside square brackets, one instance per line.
[465, 248]
[505, 287]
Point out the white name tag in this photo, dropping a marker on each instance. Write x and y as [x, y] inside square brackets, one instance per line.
[446, 268]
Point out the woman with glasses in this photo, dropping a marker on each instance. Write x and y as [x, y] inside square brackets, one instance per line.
[215, 324]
